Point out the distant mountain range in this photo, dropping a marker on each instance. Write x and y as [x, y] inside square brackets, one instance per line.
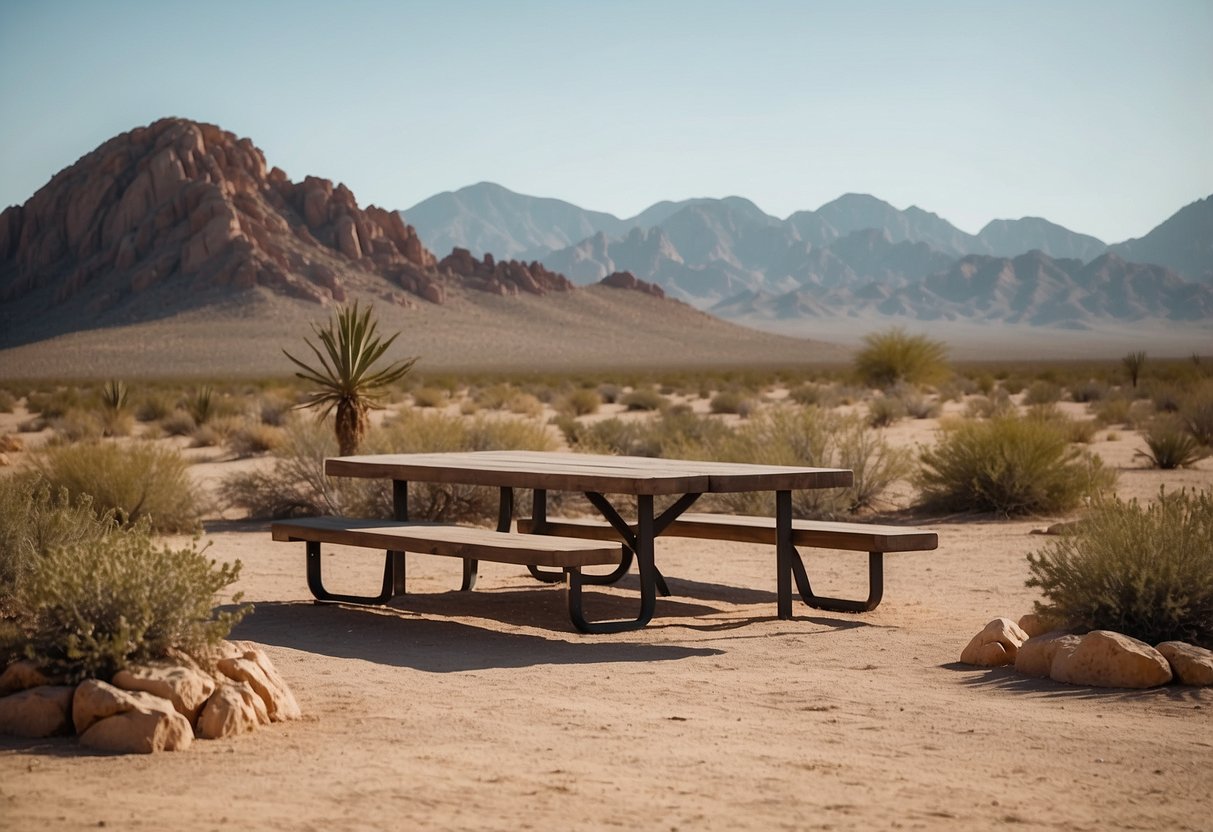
[854, 256]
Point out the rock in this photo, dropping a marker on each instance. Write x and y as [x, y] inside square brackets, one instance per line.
[11, 444]
[1034, 625]
[42, 711]
[627, 280]
[234, 708]
[1110, 660]
[20, 676]
[1035, 656]
[187, 688]
[142, 730]
[255, 668]
[1190, 664]
[995, 645]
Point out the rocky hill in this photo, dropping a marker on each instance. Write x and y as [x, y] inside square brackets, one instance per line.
[180, 214]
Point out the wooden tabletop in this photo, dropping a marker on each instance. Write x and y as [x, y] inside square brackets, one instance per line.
[562, 471]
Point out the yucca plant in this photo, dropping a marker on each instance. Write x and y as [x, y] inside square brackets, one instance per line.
[1133, 362]
[114, 395]
[344, 374]
[896, 357]
[1169, 446]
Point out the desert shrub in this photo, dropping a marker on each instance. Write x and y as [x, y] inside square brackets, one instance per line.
[1167, 398]
[7, 401]
[115, 395]
[1169, 445]
[813, 394]
[1112, 410]
[495, 397]
[153, 407]
[469, 407]
[580, 402]
[133, 602]
[1078, 431]
[1146, 571]
[34, 519]
[135, 481]
[1141, 413]
[1088, 391]
[429, 397]
[987, 407]
[274, 410]
[644, 398]
[1134, 362]
[77, 426]
[731, 401]
[894, 356]
[179, 423]
[58, 402]
[200, 404]
[610, 393]
[885, 410]
[918, 406]
[1197, 413]
[1007, 465]
[1042, 392]
[253, 439]
[807, 436]
[526, 404]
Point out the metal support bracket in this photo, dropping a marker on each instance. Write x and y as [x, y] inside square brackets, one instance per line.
[391, 578]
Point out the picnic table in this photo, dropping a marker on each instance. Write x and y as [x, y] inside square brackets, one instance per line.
[607, 482]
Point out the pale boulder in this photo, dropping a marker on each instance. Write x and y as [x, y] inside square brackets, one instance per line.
[37, 712]
[254, 667]
[1110, 660]
[144, 729]
[187, 688]
[1035, 656]
[996, 645]
[1034, 624]
[21, 675]
[1191, 665]
[234, 708]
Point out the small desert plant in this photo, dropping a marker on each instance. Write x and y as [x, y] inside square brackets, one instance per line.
[1146, 571]
[133, 601]
[1007, 465]
[983, 407]
[1088, 391]
[200, 404]
[430, 397]
[153, 407]
[273, 410]
[580, 402]
[7, 401]
[344, 374]
[644, 398]
[1134, 362]
[918, 406]
[114, 395]
[894, 357]
[610, 393]
[885, 410]
[731, 401]
[1197, 414]
[1169, 445]
[179, 423]
[77, 426]
[813, 394]
[1042, 392]
[526, 404]
[253, 439]
[134, 481]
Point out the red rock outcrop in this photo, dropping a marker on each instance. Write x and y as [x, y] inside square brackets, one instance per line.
[184, 208]
[627, 280]
[507, 277]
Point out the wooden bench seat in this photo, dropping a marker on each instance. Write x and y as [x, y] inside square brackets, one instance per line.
[397, 537]
[876, 540]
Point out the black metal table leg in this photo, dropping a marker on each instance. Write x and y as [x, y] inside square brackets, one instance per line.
[821, 602]
[400, 511]
[784, 552]
[648, 584]
[539, 519]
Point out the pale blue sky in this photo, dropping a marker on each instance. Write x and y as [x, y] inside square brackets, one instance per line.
[1097, 115]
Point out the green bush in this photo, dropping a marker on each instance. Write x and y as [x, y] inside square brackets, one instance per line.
[580, 402]
[896, 357]
[987, 407]
[1088, 391]
[732, 401]
[1007, 465]
[430, 397]
[1146, 571]
[135, 481]
[1042, 392]
[813, 394]
[153, 407]
[34, 519]
[1169, 445]
[1197, 413]
[90, 610]
[885, 410]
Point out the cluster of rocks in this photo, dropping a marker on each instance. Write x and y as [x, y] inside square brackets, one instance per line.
[1100, 658]
[180, 210]
[506, 277]
[160, 707]
[627, 280]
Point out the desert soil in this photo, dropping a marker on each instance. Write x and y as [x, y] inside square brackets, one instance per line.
[485, 710]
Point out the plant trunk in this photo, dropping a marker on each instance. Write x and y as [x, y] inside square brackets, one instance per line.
[351, 427]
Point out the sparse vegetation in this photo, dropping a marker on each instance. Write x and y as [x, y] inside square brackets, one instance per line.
[1169, 445]
[896, 357]
[645, 398]
[430, 397]
[1134, 362]
[1008, 465]
[1143, 570]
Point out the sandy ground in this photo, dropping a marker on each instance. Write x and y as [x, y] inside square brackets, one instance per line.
[485, 710]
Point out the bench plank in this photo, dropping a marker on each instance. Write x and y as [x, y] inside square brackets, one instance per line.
[448, 539]
[818, 534]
